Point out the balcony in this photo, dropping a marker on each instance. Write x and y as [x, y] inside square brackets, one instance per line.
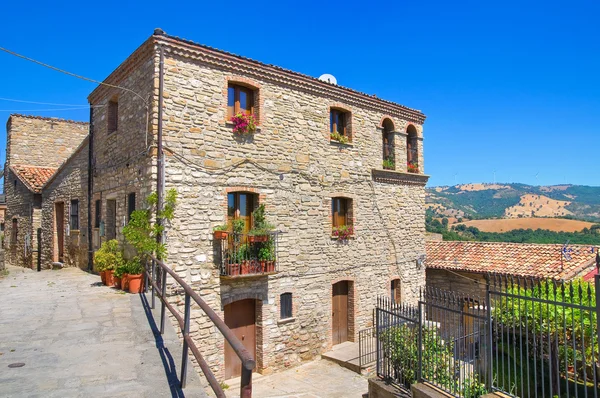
[243, 255]
[399, 177]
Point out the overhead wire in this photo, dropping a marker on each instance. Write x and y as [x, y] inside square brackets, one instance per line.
[40, 103]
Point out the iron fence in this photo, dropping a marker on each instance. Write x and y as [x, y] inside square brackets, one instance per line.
[525, 338]
[246, 254]
[367, 347]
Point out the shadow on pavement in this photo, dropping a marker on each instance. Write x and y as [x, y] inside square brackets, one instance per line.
[165, 354]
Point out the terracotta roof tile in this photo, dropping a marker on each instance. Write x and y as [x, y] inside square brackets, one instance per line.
[519, 259]
[33, 177]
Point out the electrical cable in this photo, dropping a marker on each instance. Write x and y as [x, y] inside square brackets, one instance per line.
[41, 103]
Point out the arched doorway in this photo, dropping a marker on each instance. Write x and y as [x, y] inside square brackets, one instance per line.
[240, 317]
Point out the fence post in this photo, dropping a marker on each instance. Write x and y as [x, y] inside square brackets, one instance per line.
[490, 351]
[597, 287]
[420, 345]
[163, 288]
[152, 278]
[377, 341]
[186, 333]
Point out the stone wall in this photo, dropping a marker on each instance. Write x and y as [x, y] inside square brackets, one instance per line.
[295, 169]
[20, 206]
[41, 141]
[70, 182]
[123, 158]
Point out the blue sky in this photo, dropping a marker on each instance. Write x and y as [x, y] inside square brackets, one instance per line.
[511, 86]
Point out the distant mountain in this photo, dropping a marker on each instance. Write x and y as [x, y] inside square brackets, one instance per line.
[481, 201]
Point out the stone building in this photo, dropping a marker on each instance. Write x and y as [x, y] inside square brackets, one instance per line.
[35, 148]
[64, 216]
[320, 290]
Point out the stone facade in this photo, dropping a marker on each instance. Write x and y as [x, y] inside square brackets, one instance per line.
[292, 166]
[35, 147]
[69, 183]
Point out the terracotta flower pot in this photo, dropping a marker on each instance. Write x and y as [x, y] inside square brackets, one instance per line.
[258, 238]
[116, 282]
[125, 282]
[110, 278]
[219, 235]
[103, 277]
[136, 283]
[245, 267]
[233, 269]
[263, 266]
[270, 266]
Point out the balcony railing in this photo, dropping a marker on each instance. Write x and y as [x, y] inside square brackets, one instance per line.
[247, 255]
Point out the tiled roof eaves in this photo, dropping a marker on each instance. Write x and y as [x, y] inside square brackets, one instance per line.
[298, 80]
[26, 182]
[64, 164]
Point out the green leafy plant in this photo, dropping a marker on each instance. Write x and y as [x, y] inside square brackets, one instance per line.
[238, 226]
[389, 164]
[220, 228]
[121, 270]
[142, 232]
[243, 123]
[260, 226]
[342, 139]
[135, 266]
[267, 252]
[109, 256]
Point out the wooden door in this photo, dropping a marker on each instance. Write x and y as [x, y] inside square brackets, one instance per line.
[59, 225]
[240, 317]
[339, 312]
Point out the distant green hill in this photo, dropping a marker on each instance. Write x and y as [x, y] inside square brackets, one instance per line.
[492, 201]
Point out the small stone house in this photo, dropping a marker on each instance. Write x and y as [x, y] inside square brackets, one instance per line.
[322, 158]
[35, 148]
[463, 266]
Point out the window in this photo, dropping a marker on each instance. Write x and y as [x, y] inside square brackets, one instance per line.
[340, 212]
[74, 215]
[339, 121]
[285, 305]
[130, 205]
[239, 99]
[240, 206]
[112, 117]
[412, 150]
[389, 161]
[395, 291]
[14, 232]
[97, 214]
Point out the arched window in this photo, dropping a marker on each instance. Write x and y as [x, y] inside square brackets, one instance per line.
[395, 291]
[387, 136]
[412, 150]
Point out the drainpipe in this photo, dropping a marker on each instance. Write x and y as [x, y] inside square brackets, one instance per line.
[159, 156]
[90, 190]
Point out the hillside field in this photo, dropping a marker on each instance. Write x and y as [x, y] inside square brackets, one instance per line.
[509, 224]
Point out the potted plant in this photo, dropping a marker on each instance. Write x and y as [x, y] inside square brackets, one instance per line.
[266, 257]
[389, 164]
[119, 273]
[412, 167]
[135, 270]
[260, 228]
[243, 123]
[243, 259]
[343, 233]
[335, 136]
[107, 258]
[220, 232]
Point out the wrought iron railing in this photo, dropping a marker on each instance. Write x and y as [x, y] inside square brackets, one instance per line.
[156, 277]
[245, 254]
[525, 338]
[367, 347]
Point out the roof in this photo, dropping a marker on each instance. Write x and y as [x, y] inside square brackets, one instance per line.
[247, 66]
[518, 259]
[33, 177]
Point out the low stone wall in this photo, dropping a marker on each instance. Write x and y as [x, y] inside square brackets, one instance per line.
[2, 266]
[380, 389]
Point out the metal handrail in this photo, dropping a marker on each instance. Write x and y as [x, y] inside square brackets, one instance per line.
[248, 362]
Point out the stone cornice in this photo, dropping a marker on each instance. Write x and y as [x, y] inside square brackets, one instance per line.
[248, 67]
[399, 177]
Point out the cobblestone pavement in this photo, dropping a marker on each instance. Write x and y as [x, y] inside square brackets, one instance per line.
[80, 339]
[316, 379]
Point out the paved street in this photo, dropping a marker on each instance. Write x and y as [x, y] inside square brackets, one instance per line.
[80, 339]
